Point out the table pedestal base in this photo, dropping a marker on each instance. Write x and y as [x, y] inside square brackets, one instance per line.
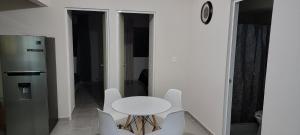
[140, 122]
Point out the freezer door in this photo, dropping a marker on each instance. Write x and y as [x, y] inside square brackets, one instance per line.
[20, 53]
[25, 96]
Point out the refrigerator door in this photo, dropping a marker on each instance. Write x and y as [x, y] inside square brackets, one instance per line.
[25, 98]
[22, 53]
[51, 83]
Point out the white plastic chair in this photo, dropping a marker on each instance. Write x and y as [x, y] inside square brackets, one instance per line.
[174, 97]
[174, 124]
[107, 126]
[112, 95]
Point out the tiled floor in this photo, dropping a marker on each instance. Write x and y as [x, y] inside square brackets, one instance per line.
[84, 120]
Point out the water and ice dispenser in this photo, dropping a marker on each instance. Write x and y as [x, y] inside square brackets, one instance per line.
[25, 91]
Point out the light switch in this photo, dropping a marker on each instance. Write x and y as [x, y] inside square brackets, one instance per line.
[174, 59]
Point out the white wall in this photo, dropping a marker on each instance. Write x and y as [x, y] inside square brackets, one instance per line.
[282, 102]
[171, 23]
[207, 65]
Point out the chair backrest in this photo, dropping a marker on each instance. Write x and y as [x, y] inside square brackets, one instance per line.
[111, 95]
[174, 124]
[107, 125]
[174, 96]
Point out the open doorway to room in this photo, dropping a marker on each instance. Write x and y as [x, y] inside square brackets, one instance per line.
[136, 33]
[89, 41]
[248, 64]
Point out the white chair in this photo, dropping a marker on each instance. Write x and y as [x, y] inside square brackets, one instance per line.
[174, 124]
[174, 97]
[112, 95]
[107, 126]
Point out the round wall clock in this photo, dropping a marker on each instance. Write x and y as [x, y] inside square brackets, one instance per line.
[206, 12]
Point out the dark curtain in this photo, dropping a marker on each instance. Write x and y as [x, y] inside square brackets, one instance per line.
[250, 71]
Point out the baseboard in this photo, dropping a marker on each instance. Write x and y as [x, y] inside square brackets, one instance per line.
[194, 118]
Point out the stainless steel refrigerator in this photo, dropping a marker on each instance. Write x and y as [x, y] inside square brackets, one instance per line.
[24, 76]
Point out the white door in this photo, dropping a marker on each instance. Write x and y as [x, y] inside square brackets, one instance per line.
[104, 64]
[282, 94]
[121, 54]
[230, 66]
[71, 59]
[151, 55]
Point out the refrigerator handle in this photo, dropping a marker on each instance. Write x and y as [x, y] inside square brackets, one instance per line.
[24, 73]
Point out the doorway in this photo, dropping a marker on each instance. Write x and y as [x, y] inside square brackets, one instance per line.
[89, 51]
[247, 66]
[136, 45]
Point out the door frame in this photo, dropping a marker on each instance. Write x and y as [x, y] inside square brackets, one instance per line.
[230, 62]
[69, 43]
[152, 47]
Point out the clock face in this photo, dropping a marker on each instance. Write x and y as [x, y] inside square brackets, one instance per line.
[206, 12]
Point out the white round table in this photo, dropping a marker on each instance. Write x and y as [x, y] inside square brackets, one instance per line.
[140, 110]
[141, 106]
